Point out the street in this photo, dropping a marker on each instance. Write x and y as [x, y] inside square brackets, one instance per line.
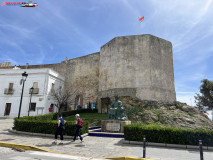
[91, 147]
[9, 154]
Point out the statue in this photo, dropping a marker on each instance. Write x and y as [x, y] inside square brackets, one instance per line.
[116, 111]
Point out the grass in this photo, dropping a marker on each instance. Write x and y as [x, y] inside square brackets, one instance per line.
[157, 111]
[190, 114]
[90, 116]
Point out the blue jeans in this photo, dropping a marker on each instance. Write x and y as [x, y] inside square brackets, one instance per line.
[77, 133]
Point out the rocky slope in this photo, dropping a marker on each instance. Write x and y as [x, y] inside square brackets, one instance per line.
[177, 115]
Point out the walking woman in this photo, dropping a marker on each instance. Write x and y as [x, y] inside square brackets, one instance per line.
[60, 129]
[79, 125]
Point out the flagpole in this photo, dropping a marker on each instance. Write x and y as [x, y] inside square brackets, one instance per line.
[138, 26]
[139, 21]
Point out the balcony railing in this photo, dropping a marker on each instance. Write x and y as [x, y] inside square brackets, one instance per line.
[8, 91]
[35, 91]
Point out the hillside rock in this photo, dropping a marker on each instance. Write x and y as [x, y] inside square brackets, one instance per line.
[177, 115]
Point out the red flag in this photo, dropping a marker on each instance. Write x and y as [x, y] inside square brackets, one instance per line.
[140, 19]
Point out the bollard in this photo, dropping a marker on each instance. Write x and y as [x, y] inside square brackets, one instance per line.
[144, 147]
[201, 149]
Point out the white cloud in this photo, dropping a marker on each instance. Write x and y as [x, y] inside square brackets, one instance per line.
[16, 46]
[6, 58]
[184, 23]
[186, 97]
[133, 10]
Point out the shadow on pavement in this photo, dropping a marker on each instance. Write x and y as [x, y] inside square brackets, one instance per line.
[51, 145]
[6, 139]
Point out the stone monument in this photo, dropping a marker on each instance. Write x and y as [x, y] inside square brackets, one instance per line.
[116, 118]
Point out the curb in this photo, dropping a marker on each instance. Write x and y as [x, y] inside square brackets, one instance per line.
[34, 148]
[21, 146]
[168, 145]
[41, 134]
[125, 158]
[97, 133]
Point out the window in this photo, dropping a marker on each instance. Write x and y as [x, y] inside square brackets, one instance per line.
[35, 84]
[32, 106]
[10, 86]
[9, 90]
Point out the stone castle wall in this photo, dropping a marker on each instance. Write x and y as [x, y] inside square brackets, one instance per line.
[83, 75]
[5, 64]
[58, 67]
[138, 66]
[159, 84]
[143, 62]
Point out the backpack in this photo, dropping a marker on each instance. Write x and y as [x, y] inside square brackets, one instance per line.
[80, 122]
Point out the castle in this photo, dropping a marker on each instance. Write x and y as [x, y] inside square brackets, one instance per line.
[137, 66]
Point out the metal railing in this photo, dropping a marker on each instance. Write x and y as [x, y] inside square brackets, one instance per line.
[8, 91]
[35, 91]
[200, 148]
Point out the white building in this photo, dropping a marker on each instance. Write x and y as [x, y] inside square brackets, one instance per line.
[44, 82]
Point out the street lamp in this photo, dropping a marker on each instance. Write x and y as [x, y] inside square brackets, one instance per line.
[212, 115]
[24, 77]
[31, 92]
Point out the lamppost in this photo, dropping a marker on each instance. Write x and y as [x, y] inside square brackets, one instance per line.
[24, 77]
[31, 92]
[212, 115]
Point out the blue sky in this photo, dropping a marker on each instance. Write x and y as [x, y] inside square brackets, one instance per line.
[73, 28]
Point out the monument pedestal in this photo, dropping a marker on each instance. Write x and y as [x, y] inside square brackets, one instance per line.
[114, 126]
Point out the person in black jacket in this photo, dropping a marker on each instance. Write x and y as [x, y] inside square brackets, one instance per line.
[60, 129]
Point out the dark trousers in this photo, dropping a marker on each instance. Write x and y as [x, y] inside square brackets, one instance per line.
[77, 133]
[59, 131]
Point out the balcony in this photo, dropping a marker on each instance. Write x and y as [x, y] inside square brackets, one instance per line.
[35, 91]
[8, 91]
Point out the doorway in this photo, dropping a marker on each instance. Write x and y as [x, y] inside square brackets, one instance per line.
[7, 109]
[79, 101]
[105, 102]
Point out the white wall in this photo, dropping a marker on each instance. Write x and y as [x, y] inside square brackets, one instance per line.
[44, 77]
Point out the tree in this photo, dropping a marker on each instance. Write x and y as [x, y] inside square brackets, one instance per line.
[63, 98]
[204, 100]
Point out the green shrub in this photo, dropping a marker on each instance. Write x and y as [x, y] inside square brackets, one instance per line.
[158, 134]
[48, 123]
[46, 126]
[49, 116]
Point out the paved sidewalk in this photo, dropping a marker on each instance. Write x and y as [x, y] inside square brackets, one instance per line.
[99, 146]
